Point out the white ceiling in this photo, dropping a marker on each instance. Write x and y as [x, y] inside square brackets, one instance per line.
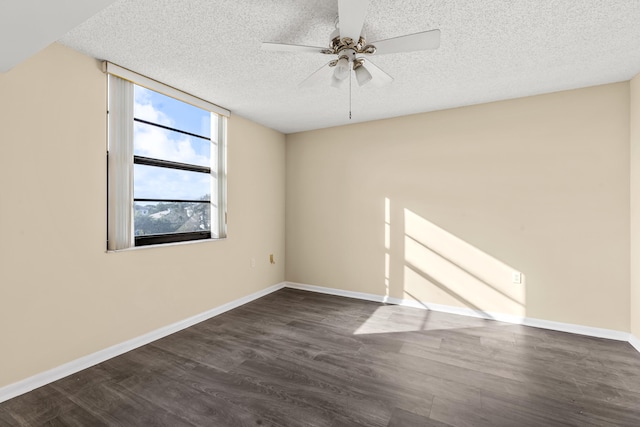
[491, 50]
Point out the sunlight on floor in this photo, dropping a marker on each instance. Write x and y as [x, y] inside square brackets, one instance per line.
[394, 319]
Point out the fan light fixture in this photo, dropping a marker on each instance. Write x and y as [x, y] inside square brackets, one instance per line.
[363, 76]
[342, 68]
[349, 45]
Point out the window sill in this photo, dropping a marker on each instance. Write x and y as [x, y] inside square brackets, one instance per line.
[164, 245]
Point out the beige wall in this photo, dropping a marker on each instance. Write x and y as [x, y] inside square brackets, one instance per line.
[61, 295]
[635, 206]
[442, 207]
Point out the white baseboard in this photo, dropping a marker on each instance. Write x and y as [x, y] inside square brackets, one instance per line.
[463, 311]
[338, 292]
[12, 390]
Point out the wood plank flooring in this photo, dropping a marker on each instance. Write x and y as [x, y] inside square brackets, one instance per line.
[296, 358]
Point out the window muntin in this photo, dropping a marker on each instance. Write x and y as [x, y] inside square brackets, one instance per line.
[165, 183]
[156, 142]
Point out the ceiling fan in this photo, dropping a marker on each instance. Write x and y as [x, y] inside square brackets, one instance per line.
[350, 48]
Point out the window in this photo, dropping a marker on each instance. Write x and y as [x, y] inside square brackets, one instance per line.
[166, 160]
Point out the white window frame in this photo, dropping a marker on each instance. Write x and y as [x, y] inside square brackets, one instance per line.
[120, 230]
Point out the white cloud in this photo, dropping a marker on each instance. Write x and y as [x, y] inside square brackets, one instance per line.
[163, 183]
[145, 110]
[159, 143]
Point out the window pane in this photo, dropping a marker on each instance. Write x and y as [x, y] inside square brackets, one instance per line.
[152, 141]
[164, 218]
[151, 182]
[157, 108]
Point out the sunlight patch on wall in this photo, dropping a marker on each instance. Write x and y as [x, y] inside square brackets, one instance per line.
[444, 269]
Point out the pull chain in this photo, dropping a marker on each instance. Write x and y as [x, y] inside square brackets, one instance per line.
[350, 94]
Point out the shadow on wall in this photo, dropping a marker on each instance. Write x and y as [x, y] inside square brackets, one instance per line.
[431, 266]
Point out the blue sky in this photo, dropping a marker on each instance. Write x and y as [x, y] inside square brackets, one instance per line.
[151, 141]
[182, 116]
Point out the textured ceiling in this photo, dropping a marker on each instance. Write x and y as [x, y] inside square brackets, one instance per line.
[490, 50]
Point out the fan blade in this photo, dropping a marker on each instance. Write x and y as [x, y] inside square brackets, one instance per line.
[321, 75]
[411, 42]
[283, 47]
[351, 15]
[378, 77]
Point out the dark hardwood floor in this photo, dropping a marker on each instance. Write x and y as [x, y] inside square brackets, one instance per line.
[296, 358]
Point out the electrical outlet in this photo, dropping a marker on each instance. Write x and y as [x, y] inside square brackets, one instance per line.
[516, 277]
[271, 260]
[253, 262]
